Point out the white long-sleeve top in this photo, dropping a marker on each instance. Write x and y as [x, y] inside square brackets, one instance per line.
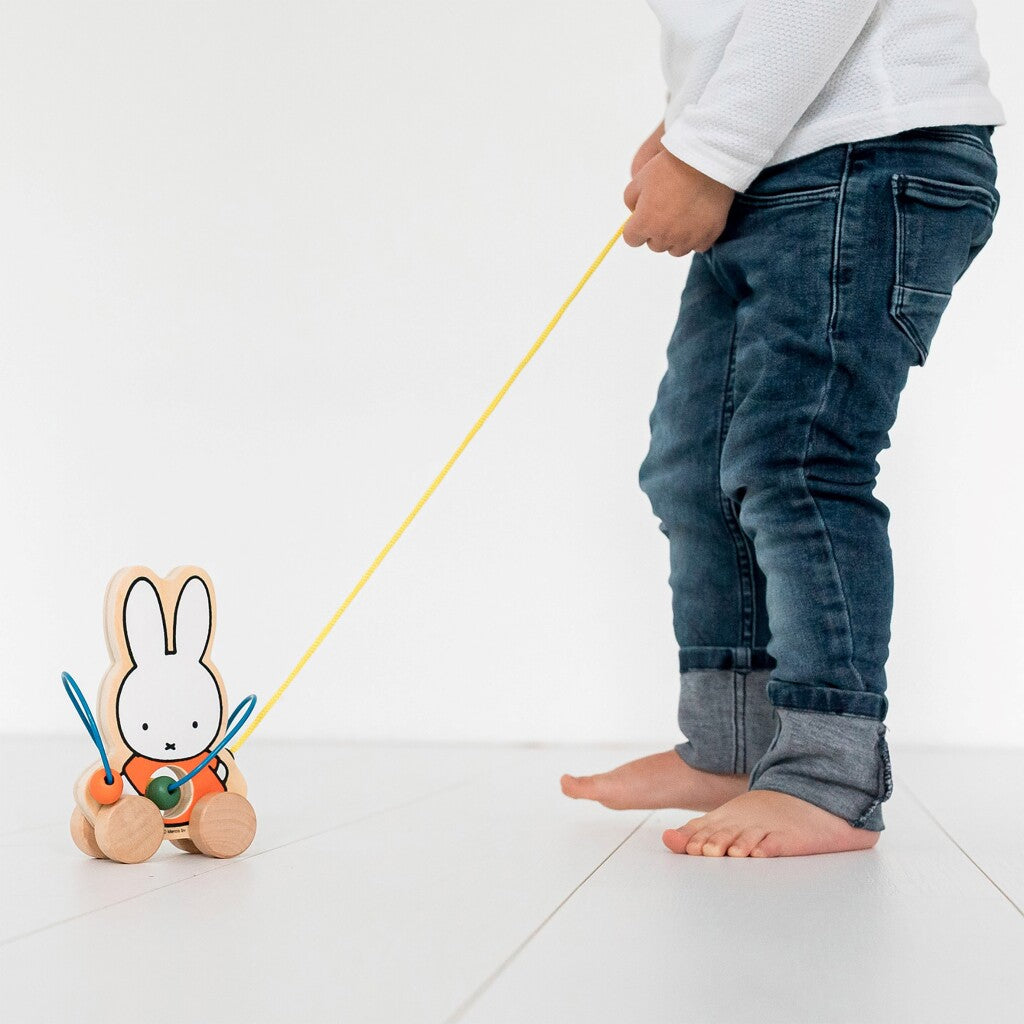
[755, 82]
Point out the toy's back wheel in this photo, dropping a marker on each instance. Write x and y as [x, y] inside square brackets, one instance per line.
[185, 844]
[84, 835]
[131, 830]
[222, 824]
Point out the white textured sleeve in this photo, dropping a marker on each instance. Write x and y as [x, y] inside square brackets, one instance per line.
[777, 61]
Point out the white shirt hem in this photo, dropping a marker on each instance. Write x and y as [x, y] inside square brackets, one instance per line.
[683, 142]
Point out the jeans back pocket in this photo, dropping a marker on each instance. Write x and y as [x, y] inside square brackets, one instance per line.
[940, 227]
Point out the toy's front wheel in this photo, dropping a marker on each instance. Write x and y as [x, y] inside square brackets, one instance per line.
[222, 824]
[129, 831]
[84, 835]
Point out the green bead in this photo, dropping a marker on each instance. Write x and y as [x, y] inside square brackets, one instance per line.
[161, 795]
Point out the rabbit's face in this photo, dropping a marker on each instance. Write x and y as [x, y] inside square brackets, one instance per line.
[169, 713]
[169, 706]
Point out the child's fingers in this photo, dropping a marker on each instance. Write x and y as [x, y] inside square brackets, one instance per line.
[631, 195]
[634, 233]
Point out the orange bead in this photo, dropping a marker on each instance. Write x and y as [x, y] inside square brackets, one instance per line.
[104, 792]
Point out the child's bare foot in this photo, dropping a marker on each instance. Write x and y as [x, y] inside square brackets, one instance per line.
[764, 823]
[660, 780]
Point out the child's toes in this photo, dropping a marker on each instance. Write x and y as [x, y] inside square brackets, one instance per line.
[745, 842]
[718, 842]
[671, 838]
[695, 844]
[582, 787]
[770, 846]
[573, 785]
[677, 838]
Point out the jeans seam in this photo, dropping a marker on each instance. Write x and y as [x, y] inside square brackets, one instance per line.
[743, 566]
[886, 787]
[735, 722]
[772, 744]
[735, 741]
[899, 275]
[833, 317]
[859, 822]
[741, 724]
[750, 612]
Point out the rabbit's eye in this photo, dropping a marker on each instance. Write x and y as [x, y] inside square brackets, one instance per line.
[145, 725]
[195, 725]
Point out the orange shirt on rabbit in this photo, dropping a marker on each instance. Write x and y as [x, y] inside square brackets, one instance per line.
[139, 770]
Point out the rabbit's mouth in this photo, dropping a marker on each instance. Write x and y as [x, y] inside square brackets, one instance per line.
[168, 746]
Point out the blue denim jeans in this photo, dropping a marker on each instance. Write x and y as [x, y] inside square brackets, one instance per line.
[796, 334]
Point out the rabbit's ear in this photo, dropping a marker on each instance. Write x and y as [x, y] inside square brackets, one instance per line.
[193, 618]
[144, 631]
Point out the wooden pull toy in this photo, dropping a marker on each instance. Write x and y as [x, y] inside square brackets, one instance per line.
[163, 723]
[164, 771]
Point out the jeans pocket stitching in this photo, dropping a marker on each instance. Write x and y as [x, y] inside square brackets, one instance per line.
[913, 187]
[905, 324]
[909, 184]
[792, 197]
[896, 300]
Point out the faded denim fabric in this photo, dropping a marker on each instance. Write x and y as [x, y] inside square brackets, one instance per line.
[795, 337]
[726, 717]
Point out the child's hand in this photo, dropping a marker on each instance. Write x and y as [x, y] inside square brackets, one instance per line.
[676, 209]
[651, 147]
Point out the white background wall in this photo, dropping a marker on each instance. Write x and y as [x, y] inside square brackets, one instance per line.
[264, 263]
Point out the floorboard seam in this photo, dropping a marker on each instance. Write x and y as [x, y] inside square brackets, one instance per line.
[226, 864]
[466, 1005]
[942, 828]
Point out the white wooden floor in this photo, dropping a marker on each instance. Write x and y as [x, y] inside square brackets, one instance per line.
[434, 884]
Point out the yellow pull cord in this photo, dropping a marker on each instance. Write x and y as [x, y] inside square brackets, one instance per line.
[375, 564]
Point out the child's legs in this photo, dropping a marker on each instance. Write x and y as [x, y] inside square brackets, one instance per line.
[717, 587]
[841, 265]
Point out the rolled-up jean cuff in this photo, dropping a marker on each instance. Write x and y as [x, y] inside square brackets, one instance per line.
[741, 658]
[837, 762]
[726, 718]
[804, 697]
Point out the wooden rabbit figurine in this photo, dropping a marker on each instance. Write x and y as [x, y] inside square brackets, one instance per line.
[162, 711]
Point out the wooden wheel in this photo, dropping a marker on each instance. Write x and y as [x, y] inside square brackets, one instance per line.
[222, 824]
[185, 844]
[84, 835]
[131, 830]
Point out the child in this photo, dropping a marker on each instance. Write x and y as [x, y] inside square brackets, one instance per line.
[829, 164]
